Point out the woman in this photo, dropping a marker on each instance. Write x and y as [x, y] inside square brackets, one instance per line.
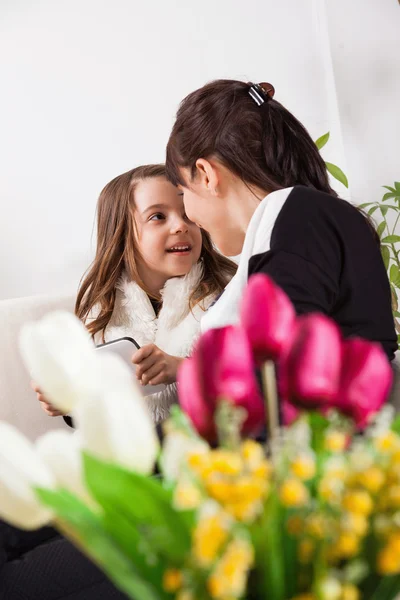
[251, 175]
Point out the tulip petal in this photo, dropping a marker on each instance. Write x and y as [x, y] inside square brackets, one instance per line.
[310, 370]
[21, 470]
[236, 379]
[116, 425]
[268, 317]
[61, 452]
[366, 380]
[59, 354]
[192, 398]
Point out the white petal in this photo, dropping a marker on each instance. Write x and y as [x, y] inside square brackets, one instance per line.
[61, 452]
[21, 469]
[176, 448]
[60, 356]
[116, 425]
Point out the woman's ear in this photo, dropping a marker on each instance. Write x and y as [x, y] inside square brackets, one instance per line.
[207, 176]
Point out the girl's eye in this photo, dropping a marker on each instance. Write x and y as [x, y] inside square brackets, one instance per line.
[157, 217]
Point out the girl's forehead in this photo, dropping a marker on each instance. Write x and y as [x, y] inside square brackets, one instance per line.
[157, 191]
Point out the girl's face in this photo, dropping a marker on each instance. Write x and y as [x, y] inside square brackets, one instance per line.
[168, 242]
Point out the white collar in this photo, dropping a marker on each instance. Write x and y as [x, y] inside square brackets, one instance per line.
[257, 240]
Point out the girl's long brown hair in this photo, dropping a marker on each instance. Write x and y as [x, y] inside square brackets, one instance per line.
[117, 252]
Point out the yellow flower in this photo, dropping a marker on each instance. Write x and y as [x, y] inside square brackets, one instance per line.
[347, 545]
[372, 479]
[393, 496]
[252, 453]
[387, 442]
[358, 502]
[226, 462]
[330, 489]
[184, 595]
[388, 562]
[187, 496]
[220, 488]
[356, 523]
[262, 470]
[197, 461]
[382, 525]
[229, 577]
[293, 493]
[316, 526]
[304, 597]
[305, 551]
[394, 542]
[209, 536]
[335, 441]
[295, 525]
[172, 580]
[330, 589]
[350, 592]
[303, 467]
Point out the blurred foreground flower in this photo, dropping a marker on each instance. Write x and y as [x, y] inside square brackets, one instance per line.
[221, 368]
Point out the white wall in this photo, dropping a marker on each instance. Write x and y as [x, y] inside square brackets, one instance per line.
[365, 46]
[90, 88]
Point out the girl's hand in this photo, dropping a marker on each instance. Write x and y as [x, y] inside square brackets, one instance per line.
[44, 403]
[155, 366]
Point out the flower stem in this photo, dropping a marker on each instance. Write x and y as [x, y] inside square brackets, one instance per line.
[271, 398]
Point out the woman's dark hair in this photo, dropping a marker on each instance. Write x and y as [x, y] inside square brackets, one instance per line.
[265, 146]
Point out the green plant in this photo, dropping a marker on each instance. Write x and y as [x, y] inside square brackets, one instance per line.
[334, 170]
[390, 240]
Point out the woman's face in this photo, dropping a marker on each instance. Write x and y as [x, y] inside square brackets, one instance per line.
[213, 211]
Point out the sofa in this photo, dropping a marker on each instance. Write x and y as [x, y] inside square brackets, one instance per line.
[18, 403]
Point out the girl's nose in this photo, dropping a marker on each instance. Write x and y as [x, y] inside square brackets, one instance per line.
[180, 225]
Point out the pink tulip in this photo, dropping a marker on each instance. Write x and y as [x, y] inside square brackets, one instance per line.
[289, 413]
[365, 382]
[192, 401]
[221, 367]
[268, 317]
[309, 373]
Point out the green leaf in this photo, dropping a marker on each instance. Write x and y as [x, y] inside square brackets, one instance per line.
[396, 313]
[85, 529]
[337, 173]
[395, 276]
[365, 204]
[384, 210]
[144, 502]
[320, 143]
[381, 228]
[391, 189]
[373, 209]
[395, 302]
[391, 239]
[397, 186]
[389, 195]
[385, 256]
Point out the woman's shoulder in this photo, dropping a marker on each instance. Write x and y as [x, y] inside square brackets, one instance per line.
[307, 211]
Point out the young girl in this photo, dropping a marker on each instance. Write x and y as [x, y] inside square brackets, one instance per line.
[256, 182]
[154, 275]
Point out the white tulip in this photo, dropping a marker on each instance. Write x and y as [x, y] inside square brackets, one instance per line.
[21, 470]
[115, 424]
[61, 452]
[176, 448]
[60, 356]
